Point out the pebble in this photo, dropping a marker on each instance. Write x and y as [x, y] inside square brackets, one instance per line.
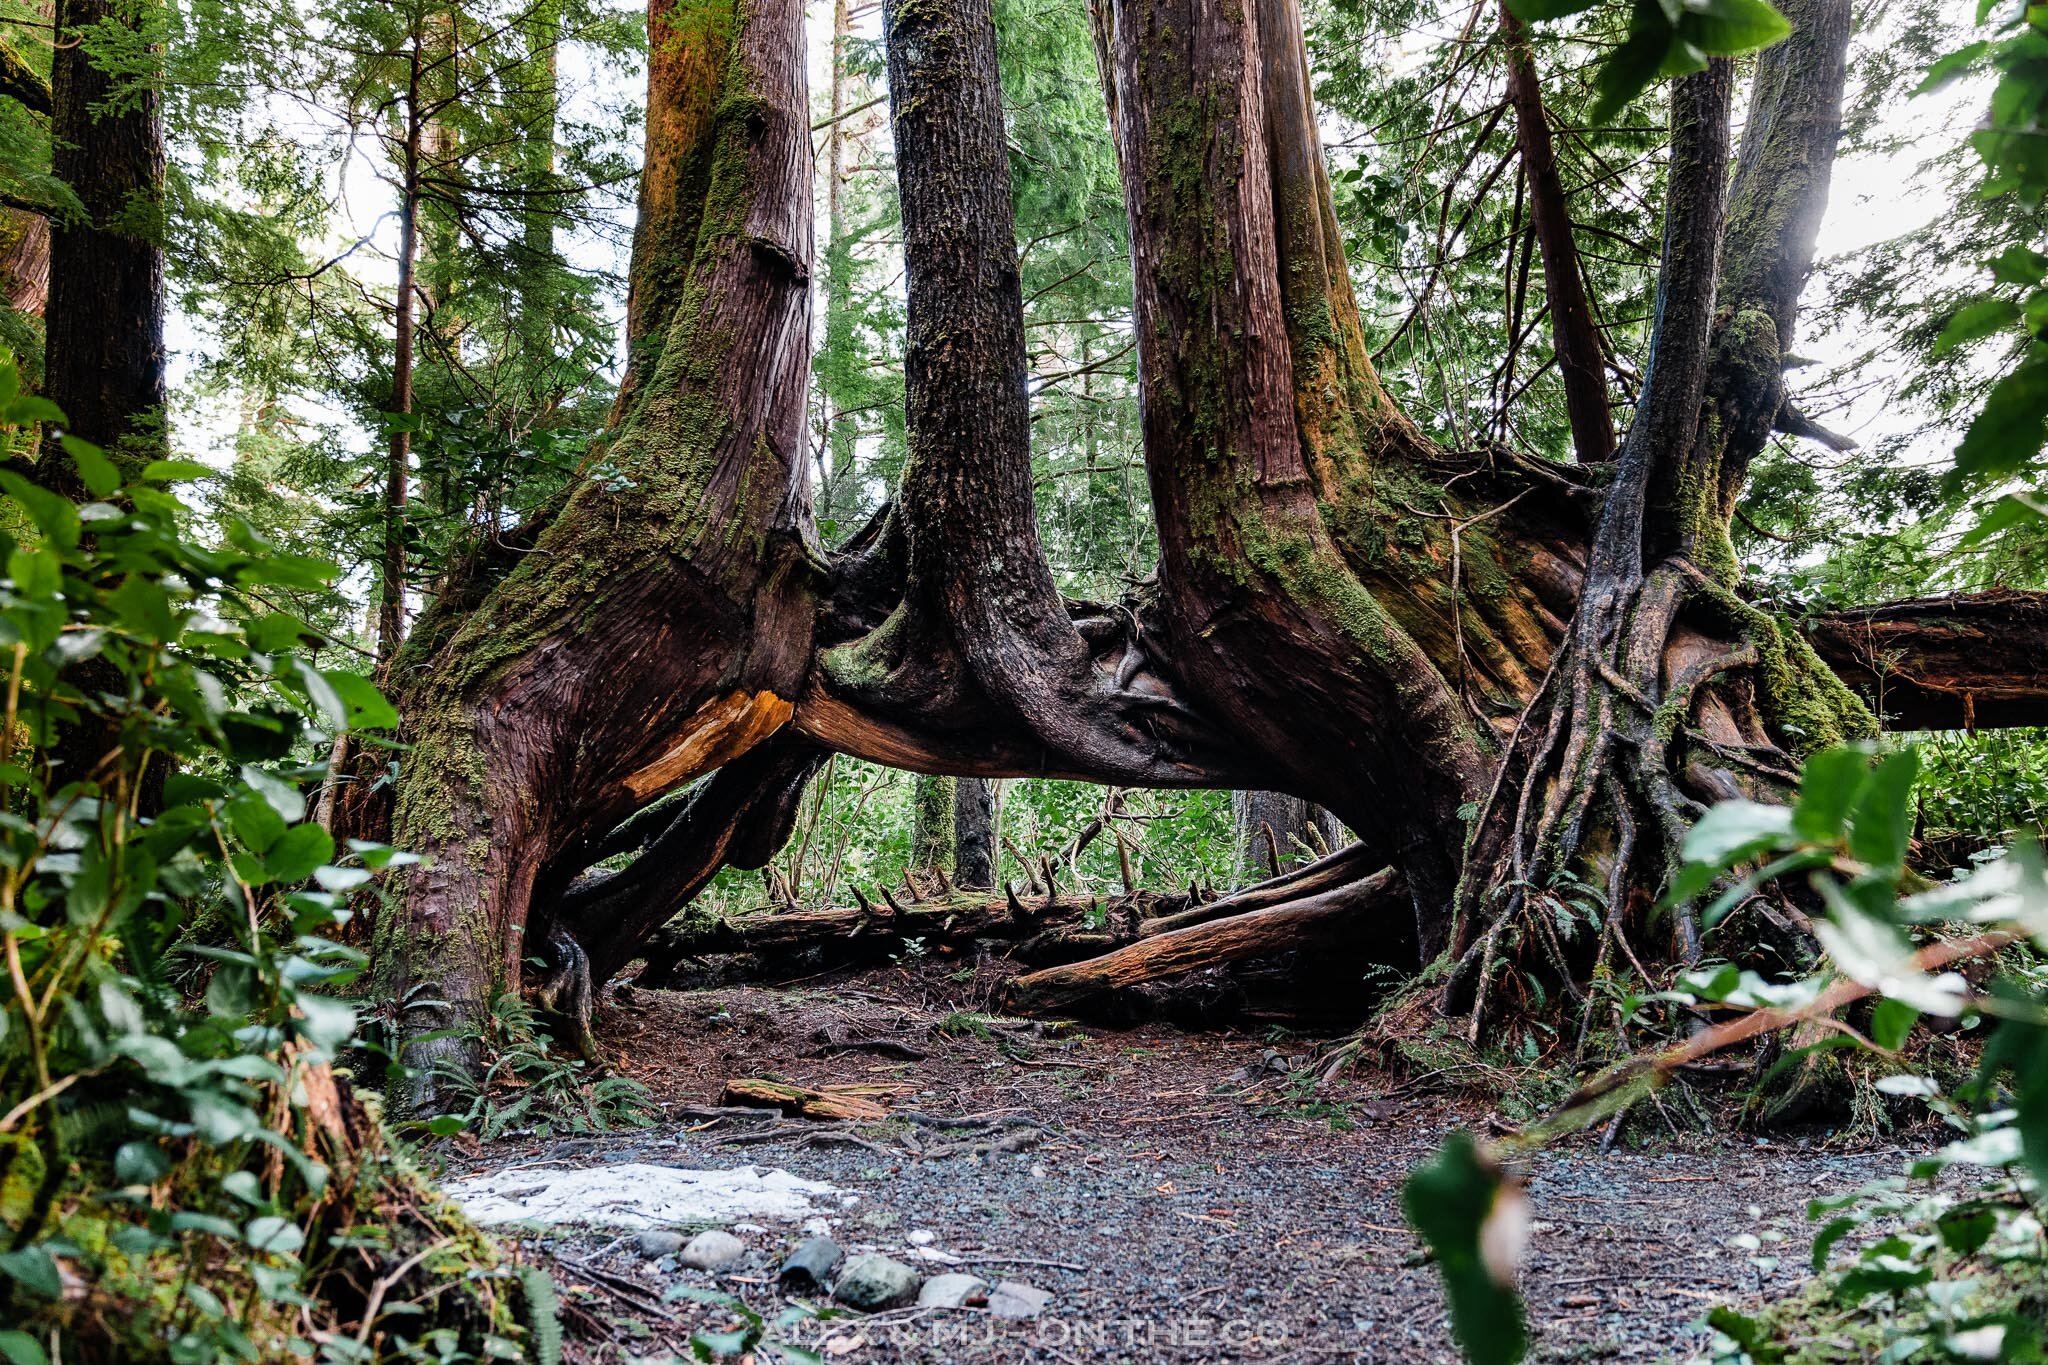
[923, 1237]
[660, 1242]
[1015, 1299]
[875, 1281]
[811, 1264]
[953, 1291]
[713, 1250]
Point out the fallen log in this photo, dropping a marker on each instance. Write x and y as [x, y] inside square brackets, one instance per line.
[1043, 928]
[1354, 920]
[829, 1103]
[1348, 864]
[1961, 662]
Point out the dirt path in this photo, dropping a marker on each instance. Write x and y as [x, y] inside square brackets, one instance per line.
[1174, 1199]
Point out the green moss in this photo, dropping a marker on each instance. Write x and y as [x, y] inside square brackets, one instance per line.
[1807, 706]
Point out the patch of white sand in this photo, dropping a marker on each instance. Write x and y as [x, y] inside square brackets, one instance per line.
[632, 1195]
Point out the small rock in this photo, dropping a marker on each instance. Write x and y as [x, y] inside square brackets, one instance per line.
[811, 1265]
[660, 1242]
[923, 1237]
[713, 1250]
[874, 1281]
[953, 1291]
[1015, 1299]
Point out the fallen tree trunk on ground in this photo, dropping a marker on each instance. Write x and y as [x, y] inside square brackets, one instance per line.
[1344, 920]
[1043, 928]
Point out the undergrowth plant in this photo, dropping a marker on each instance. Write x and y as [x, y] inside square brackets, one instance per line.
[1947, 1272]
[524, 1086]
[184, 1175]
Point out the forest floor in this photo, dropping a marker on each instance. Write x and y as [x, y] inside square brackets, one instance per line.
[1178, 1194]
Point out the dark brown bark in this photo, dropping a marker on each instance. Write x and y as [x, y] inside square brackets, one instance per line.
[1574, 337]
[104, 350]
[1962, 662]
[974, 833]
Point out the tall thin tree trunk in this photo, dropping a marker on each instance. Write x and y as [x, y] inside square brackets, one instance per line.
[933, 837]
[398, 456]
[974, 832]
[1574, 336]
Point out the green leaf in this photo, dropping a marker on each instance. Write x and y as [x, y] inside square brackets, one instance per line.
[1628, 71]
[1948, 68]
[1975, 321]
[1890, 1022]
[1737, 830]
[293, 857]
[1828, 785]
[2008, 431]
[1728, 28]
[175, 471]
[1465, 1210]
[282, 796]
[35, 1270]
[367, 708]
[327, 1024]
[2019, 265]
[1881, 824]
[19, 1348]
[280, 1236]
[95, 470]
[145, 608]
[140, 1163]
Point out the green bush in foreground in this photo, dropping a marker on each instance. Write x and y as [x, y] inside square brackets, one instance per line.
[183, 1176]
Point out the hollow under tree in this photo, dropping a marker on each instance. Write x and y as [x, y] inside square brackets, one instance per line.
[1344, 609]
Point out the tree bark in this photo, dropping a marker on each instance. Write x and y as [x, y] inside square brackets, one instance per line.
[1344, 611]
[1275, 831]
[933, 837]
[104, 349]
[1962, 662]
[662, 619]
[974, 833]
[1574, 337]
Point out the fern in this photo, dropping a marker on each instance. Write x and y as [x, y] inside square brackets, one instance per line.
[542, 1315]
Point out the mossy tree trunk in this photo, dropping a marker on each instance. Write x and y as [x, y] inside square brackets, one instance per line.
[934, 836]
[660, 622]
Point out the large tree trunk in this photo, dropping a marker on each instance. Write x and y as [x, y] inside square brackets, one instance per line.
[104, 348]
[974, 832]
[1275, 831]
[661, 622]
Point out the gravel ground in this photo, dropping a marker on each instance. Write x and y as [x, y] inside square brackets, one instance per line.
[1177, 1202]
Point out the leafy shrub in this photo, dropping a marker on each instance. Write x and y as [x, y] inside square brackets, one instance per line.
[183, 1175]
[1957, 1271]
